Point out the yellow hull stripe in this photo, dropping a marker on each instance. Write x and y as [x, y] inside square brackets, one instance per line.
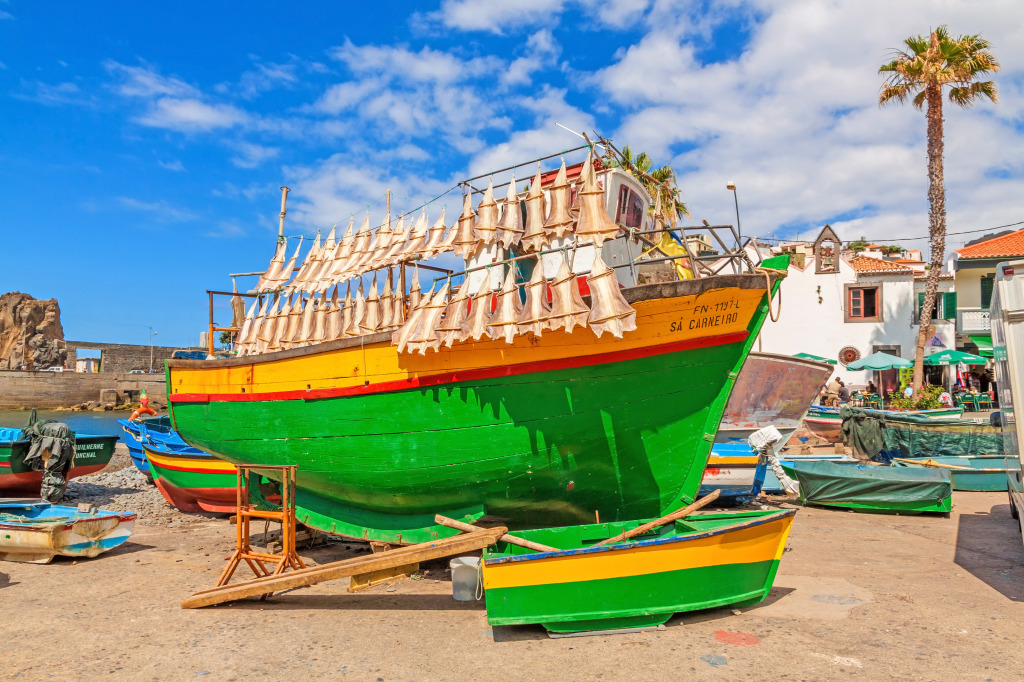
[765, 542]
[660, 321]
[208, 464]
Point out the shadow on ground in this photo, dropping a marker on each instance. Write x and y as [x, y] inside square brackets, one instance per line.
[988, 546]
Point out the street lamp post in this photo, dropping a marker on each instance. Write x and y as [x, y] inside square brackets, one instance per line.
[151, 335]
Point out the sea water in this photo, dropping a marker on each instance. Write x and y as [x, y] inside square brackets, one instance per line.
[82, 423]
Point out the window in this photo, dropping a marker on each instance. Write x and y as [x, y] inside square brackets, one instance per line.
[630, 210]
[945, 306]
[986, 290]
[863, 304]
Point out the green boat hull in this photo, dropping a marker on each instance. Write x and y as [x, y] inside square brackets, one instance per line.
[92, 454]
[987, 473]
[714, 561]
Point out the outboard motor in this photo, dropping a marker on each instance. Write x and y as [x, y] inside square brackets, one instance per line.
[52, 451]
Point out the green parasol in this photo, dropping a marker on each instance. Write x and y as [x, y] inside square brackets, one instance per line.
[880, 361]
[953, 357]
[817, 358]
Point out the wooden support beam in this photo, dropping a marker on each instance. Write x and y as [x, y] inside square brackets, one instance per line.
[346, 568]
[510, 539]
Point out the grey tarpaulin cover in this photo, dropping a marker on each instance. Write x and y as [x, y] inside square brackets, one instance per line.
[871, 486]
[883, 436]
[56, 438]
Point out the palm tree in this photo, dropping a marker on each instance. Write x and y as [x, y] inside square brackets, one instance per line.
[655, 180]
[919, 73]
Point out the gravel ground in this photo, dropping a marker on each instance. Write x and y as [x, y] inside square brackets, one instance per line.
[122, 487]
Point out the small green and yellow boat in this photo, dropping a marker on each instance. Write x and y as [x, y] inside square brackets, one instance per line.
[700, 562]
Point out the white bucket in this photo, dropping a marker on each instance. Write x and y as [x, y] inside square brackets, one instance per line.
[465, 577]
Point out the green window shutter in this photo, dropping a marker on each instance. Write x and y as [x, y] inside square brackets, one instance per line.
[949, 301]
[986, 291]
[920, 305]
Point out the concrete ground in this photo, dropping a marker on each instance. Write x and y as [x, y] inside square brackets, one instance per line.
[858, 595]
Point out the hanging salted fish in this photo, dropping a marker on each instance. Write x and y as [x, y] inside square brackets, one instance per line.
[417, 238]
[510, 230]
[536, 310]
[358, 313]
[534, 236]
[425, 336]
[502, 323]
[247, 339]
[594, 225]
[414, 289]
[237, 307]
[401, 235]
[370, 321]
[273, 271]
[246, 325]
[398, 312]
[309, 265]
[304, 335]
[347, 313]
[294, 322]
[280, 325]
[286, 272]
[324, 265]
[560, 218]
[360, 250]
[401, 337]
[435, 239]
[387, 307]
[332, 272]
[485, 230]
[265, 333]
[568, 310]
[464, 243]
[450, 326]
[474, 327]
[333, 327]
[319, 332]
[609, 311]
[381, 242]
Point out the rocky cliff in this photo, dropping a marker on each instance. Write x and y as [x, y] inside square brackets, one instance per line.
[31, 336]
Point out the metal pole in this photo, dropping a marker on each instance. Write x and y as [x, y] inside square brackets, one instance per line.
[739, 229]
[150, 350]
[284, 210]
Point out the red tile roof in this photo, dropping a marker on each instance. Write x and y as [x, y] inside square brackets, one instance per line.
[1001, 247]
[865, 264]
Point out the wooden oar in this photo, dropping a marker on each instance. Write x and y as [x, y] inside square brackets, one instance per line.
[685, 511]
[930, 463]
[510, 539]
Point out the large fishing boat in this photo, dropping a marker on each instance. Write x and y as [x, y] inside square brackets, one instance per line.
[549, 388]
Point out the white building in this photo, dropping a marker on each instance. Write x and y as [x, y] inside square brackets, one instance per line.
[849, 306]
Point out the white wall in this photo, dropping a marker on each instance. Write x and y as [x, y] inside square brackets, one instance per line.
[809, 326]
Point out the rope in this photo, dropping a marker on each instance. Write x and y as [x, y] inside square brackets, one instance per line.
[768, 272]
[480, 580]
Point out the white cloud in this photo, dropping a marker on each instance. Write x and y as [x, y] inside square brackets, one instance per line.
[161, 210]
[793, 117]
[54, 94]
[541, 51]
[495, 16]
[144, 81]
[191, 115]
[263, 78]
[5, 15]
[226, 229]
[251, 155]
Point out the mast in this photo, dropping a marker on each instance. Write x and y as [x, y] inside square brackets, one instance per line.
[284, 210]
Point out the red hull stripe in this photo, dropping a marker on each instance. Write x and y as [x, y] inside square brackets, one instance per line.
[468, 375]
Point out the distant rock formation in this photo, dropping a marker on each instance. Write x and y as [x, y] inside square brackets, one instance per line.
[31, 336]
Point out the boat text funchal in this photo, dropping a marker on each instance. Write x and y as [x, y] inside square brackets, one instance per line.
[545, 384]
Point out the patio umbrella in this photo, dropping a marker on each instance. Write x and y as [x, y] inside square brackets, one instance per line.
[953, 357]
[880, 361]
[817, 358]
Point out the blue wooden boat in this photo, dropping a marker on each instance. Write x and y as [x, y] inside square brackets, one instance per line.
[969, 472]
[872, 487]
[735, 471]
[157, 429]
[35, 531]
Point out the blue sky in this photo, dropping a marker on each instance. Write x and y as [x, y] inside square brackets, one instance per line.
[142, 146]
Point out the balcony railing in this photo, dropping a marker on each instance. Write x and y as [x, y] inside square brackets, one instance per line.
[972, 321]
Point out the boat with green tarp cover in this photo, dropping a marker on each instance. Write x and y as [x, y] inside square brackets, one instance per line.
[884, 436]
[979, 473]
[547, 388]
[702, 561]
[872, 487]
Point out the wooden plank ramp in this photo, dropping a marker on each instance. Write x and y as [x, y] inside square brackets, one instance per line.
[346, 568]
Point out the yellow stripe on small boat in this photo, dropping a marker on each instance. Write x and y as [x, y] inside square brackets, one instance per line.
[659, 321]
[208, 463]
[765, 542]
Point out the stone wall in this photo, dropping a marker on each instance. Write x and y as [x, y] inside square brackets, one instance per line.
[49, 390]
[121, 357]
